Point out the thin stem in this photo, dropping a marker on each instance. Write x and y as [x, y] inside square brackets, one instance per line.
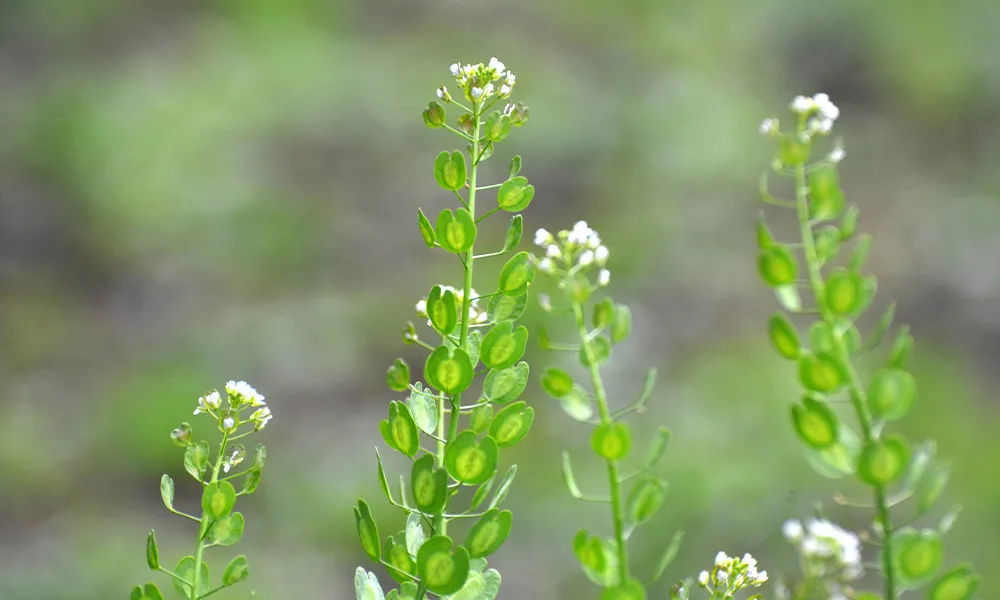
[617, 505]
[488, 213]
[206, 522]
[858, 394]
[489, 187]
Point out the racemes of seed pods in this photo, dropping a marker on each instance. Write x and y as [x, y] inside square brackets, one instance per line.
[451, 431]
[241, 412]
[902, 478]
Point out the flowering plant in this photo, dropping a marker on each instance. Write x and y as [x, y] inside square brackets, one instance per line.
[244, 413]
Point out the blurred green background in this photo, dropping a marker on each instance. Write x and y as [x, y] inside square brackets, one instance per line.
[197, 191]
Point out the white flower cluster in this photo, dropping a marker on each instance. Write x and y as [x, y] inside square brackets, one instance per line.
[822, 111]
[476, 315]
[481, 81]
[827, 550]
[731, 574]
[237, 456]
[240, 395]
[578, 248]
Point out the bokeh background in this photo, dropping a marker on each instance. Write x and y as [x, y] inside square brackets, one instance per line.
[197, 191]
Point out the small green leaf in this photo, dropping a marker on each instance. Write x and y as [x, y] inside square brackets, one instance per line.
[891, 393]
[366, 586]
[181, 437]
[882, 327]
[236, 571]
[423, 408]
[621, 324]
[849, 224]
[668, 556]
[415, 535]
[401, 565]
[481, 418]
[611, 441]
[471, 461]
[828, 240]
[434, 115]
[167, 491]
[577, 404]
[426, 229]
[784, 337]
[883, 461]
[506, 308]
[400, 430]
[227, 530]
[515, 194]
[600, 348]
[152, 552]
[517, 275]
[383, 483]
[598, 558]
[397, 377]
[764, 237]
[482, 492]
[440, 569]
[657, 448]
[251, 482]
[916, 555]
[511, 424]
[185, 570]
[456, 232]
[367, 530]
[604, 312]
[507, 385]
[839, 459]
[146, 592]
[449, 371]
[777, 266]
[514, 231]
[450, 170]
[901, 347]
[497, 127]
[821, 372]
[489, 533]
[428, 485]
[473, 346]
[515, 166]
[844, 292]
[860, 255]
[503, 346]
[645, 499]
[931, 486]
[557, 383]
[826, 200]
[442, 310]
[816, 423]
[218, 499]
[196, 459]
[504, 487]
[959, 583]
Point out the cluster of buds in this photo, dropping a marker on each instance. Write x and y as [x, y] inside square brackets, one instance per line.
[573, 251]
[240, 397]
[480, 81]
[816, 117]
[730, 575]
[827, 551]
[476, 315]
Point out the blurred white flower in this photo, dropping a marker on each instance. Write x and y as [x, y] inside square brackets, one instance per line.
[768, 127]
[553, 251]
[241, 391]
[585, 258]
[604, 277]
[601, 254]
[260, 417]
[543, 237]
[208, 403]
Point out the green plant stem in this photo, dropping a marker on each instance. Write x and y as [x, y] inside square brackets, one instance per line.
[206, 522]
[617, 507]
[859, 397]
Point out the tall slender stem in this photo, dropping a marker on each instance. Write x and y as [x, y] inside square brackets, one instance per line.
[859, 397]
[206, 523]
[617, 505]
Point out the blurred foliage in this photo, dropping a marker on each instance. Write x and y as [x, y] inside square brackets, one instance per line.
[198, 191]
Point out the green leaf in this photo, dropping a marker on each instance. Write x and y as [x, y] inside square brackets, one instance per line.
[415, 535]
[828, 240]
[401, 565]
[397, 377]
[826, 200]
[503, 346]
[400, 430]
[901, 347]
[844, 292]
[916, 556]
[449, 370]
[507, 385]
[577, 403]
[816, 423]
[931, 486]
[504, 488]
[598, 558]
[428, 485]
[471, 461]
[426, 229]
[657, 448]
[185, 570]
[883, 461]
[514, 231]
[517, 275]
[764, 237]
[668, 556]
[481, 418]
[849, 224]
[383, 483]
[604, 312]
[450, 170]
[251, 482]
[557, 383]
[367, 530]
[784, 337]
[839, 459]
[601, 349]
[959, 583]
[621, 324]
[515, 194]
[181, 437]
[236, 571]
[882, 327]
[227, 530]
[434, 116]
[479, 586]
[647, 389]
[645, 499]
[860, 254]
[440, 569]
[489, 533]
[632, 590]
[423, 408]
[497, 127]
[515, 166]
[366, 586]
[456, 232]
[473, 345]
[891, 393]
[506, 308]
[611, 441]
[152, 552]
[442, 310]
[167, 491]
[777, 265]
[511, 424]
[821, 372]
[482, 492]
[218, 499]
[196, 459]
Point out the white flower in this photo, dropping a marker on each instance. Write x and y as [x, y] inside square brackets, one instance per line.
[441, 92]
[543, 237]
[837, 154]
[511, 79]
[604, 277]
[208, 402]
[601, 254]
[722, 575]
[827, 109]
[456, 69]
[580, 233]
[476, 93]
[505, 90]
[768, 127]
[553, 251]
[489, 89]
[585, 258]
[421, 307]
[497, 66]
[721, 559]
[803, 105]
[546, 266]
[508, 110]
[244, 392]
[545, 302]
[749, 560]
[703, 578]
[228, 423]
[792, 530]
[261, 417]
[761, 578]
[233, 460]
